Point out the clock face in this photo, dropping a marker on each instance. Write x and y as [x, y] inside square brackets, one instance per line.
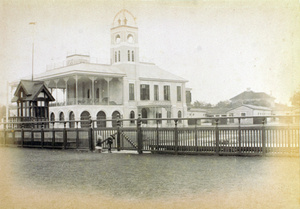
[130, 38]
[118, 39]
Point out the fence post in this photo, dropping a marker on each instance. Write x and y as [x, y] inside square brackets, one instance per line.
[263, 137]
[65, 136]
[139, 135]
[42, 135]
[240, 136]
[176, 136]
[77, 136]
[32, 133]
[5, 133]
[22, 135]
[217, 137]
[53, 136]
[196, 136]
[118, 133]
[91, 141]
[157, 135]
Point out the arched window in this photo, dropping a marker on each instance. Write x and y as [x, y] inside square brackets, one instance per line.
[128, 55]
[179, 116]
[52, 117]
[61, 116]
[145, 115]
[101, 116]
[115, 115]
[71, 117]
[132, 116]
[85, 115]
[132, 56]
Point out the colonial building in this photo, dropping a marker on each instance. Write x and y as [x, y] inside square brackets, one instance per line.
[254, 98]
[126, 87]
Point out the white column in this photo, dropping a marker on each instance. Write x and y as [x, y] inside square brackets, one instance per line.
[108, 93]
[56, 95]
[66, 91]
[93, 89]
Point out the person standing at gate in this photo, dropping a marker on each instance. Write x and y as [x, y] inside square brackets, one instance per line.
[98, 146]
[109, 142]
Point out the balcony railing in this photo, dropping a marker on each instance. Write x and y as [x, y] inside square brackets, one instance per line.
[85, 101]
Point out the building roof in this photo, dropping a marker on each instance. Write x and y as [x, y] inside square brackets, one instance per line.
[197, 110]
[150, 71]
[249, 95]
[254, 107]
[31, 90]
[84, 69]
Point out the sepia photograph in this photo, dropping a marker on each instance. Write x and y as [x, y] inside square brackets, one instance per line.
[150, 104]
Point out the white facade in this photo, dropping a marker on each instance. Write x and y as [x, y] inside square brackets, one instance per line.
[126, 87]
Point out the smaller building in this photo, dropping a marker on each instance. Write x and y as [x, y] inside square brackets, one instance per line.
[254, 98]
[248, 110]
[196, 113]
[32, 98]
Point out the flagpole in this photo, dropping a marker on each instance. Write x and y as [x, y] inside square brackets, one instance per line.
[32, 23]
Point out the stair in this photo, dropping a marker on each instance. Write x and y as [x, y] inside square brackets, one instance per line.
[129, 140]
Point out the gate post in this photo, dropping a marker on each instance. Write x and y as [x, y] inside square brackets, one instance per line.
[263, 137]
[91, 141]
[118, 133]
[139, 135]
[176, 136]
[217, 137]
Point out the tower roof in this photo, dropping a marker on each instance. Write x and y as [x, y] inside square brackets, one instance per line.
[124, 17]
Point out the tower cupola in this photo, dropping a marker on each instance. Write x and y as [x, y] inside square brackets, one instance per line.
[124, 38]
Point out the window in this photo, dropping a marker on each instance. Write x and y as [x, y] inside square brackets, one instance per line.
[144, 92]
[178, 93]
[52, 117]
[128, 55]
[119, 56]
[61, 116]
[179, 116]
[167, 93]
[116, 57]
[131, 91]
[97, 93]
[156, 94]
[159, 115]
[132, 57]
[132, 116]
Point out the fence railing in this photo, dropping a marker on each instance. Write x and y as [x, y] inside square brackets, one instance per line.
[255, 139]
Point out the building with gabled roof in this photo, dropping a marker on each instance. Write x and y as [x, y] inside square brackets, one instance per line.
[251, 97]
[32, 98]
[126, 87]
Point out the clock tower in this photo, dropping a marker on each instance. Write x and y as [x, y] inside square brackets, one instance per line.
[124, 39]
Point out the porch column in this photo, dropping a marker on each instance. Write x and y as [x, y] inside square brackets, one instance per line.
[93, 89]
[76, 90]
[108, 93]
[66, 91]
[122, 81]
[56, 95]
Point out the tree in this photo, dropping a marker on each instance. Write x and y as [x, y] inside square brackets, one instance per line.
[224, 104]
[200, 104]
[295, 99]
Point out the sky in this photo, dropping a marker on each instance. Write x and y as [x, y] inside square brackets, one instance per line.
[221, 47]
